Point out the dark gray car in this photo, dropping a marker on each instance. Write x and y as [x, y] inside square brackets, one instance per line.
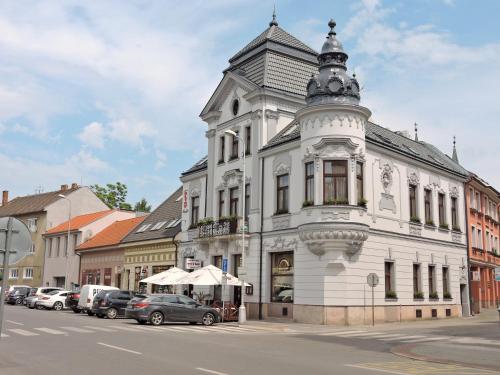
[158, 309]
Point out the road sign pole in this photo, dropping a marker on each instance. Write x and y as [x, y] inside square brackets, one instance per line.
[5, 273]
[373, 306]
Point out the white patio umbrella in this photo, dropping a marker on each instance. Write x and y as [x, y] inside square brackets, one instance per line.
[168, 277]
[209, 275]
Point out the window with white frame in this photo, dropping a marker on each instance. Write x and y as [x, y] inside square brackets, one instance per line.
[471, 198]
[28, 273]
[479, 239]
[32, 248]
[13, 273]
[31, 224]
[487, 247]
[473, 236]
[478, 201]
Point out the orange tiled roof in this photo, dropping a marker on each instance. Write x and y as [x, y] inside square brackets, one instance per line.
[79, 221]
[112, 235]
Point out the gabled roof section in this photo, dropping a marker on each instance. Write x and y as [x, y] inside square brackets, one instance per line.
[78, 222]
[167, 213]
[112, 235]
[199, 166]
[32, 203]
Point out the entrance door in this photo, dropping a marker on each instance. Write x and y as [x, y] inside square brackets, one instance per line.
[236, 289]
[59, 281]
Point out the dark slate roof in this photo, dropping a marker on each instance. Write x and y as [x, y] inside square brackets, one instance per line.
[277, 35]
[168, 211]
[199, 166]
[32, 203]
[383, 137]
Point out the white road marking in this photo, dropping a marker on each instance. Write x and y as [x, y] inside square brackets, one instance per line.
[380, 370]
[51, 331]
[181, 329]
[101, 329]
[119, 348]
[389, 336]
[426, 339]
[17, 323]
[210, 371]
[76, 329]
[125, 328]
[367, 334]
[337, 333]
[4, 335]
[404, 338]
[22, 332]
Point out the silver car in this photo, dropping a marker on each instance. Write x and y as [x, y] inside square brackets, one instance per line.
[35, 293]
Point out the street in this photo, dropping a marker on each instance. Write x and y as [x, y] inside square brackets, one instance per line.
[43, 342]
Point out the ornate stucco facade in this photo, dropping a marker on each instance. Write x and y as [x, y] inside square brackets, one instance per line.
[331, 197]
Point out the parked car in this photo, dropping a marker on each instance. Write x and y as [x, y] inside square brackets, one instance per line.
[87, 294]
[35, 293]
[53, 300]
[12, 288]
[158, 309]
[17, 296]
[72, 301]
[112, 303]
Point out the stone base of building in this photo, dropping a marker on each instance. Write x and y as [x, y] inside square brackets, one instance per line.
[352, 315]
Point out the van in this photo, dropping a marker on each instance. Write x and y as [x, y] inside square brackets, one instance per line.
[87, 294]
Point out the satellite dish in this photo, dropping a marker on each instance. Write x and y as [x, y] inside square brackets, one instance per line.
[21, 239]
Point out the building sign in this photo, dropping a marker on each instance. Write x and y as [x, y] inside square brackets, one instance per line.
[192, 264]
[185, 200]
[497, 273]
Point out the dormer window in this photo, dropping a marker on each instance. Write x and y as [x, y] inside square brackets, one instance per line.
[235, 106]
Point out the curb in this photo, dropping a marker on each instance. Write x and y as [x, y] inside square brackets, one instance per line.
[406, 352]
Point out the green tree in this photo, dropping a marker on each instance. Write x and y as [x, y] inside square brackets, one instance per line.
[142, 206]
[113, 195]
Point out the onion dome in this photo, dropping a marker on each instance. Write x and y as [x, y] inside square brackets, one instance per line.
[332, 84]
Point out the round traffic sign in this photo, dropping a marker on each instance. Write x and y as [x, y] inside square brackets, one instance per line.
[21, 239]
[372, 280]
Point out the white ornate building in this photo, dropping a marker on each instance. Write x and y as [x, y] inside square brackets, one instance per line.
[331, 197]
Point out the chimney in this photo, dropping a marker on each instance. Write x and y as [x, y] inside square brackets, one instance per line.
[74, 185]
[64, 187]
[5, 197]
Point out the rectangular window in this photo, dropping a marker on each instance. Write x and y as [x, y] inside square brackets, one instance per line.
[282, 277]
[479, 239]
[58, 246]
[359, 181]
[389, 280]
[220, 211]
[487, 247]
[247, 201]
[454, 216]
[31, 224]
[282, 194]
[432, 280]
[234, 146]
[233, 201]
[217, 262]
[28, 273]
[75, 241]
[416, 281]
[248, 140]
[222, 149]
[309, 185]
[13, 273]
[478, 201]
[471, 198]
[32, 248]
[428, 207]
[442, 216]
[413, 202]
[195, 210]
[446, 283]
[473, 236]
[335, 182]
[49, 246]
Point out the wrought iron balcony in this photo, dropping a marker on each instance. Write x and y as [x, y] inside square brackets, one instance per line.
[222, 227]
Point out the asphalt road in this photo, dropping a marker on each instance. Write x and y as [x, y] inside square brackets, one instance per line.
[50, 342]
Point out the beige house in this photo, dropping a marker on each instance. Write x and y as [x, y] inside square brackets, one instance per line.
[40, 212]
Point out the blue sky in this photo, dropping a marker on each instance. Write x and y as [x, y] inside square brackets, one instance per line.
[96, 92]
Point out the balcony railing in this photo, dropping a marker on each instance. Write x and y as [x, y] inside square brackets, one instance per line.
[218, 228]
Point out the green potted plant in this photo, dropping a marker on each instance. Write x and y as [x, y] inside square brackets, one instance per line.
[430, 223]
[341, 201]
[307, 203]
[444, 226]
[415, 219]
[433, 295]
[206, 221]
[447, 295]
[418, 295]
[362, 202]
[391, 294]
[281, 211]
[456, 228]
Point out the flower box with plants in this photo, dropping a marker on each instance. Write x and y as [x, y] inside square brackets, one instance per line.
[224, 225]
[206, 221]
[418, 295]
[444, 226]
[307, 203]
[391, 294]
[456, 229]
[433, 295]
[281, 212]
[336, 202]
[447, 295]
[362, 202]
[415, 220]
[430, 223]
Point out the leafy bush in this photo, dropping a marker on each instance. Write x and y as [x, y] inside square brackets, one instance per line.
[418, 295]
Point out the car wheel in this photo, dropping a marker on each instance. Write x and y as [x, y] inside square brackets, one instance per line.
[39, 307]
[90, 313]
[142, 321]
[19, 301]
[156, 318]
[111, 313]
[208, 319]
[77, 311]
[58, 306]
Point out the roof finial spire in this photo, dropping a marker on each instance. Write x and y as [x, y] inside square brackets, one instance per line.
[454, 156]
[274, 22]
[416, 132]
[332, 25]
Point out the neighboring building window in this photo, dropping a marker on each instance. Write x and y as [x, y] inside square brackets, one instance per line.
[432, 280]
[335, 182]
[217, 262]
[49, 246]
[471, 198]
[446, 283]
[487, 247]
[247, 201]
[221, 203]
[248, 140]
[309, 185]
[479, 239]
[32, 248]
[13, 273]
[31, 224]
[389, 280]
[58, 246]
[359, 181]
[478, 201]
[417, 290]
[234, 146]
[222, 147]
[195, 210]
[454, 215]
[282, 194]
[282, 277]
[428, 207]
[413, 203]
[75, 241]
[442, 216]
[233, 201]
[28, 273]
[473, 236]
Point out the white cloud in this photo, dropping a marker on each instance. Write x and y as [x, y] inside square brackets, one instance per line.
[93, 135]
[161, 159]
[130, 131]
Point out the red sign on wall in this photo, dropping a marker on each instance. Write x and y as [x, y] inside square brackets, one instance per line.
[185, 199]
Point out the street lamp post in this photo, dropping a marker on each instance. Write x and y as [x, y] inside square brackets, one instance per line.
[67, 240]
[242, 312]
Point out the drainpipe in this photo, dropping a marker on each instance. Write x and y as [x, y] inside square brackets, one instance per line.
[176, 244]
[261, 239]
